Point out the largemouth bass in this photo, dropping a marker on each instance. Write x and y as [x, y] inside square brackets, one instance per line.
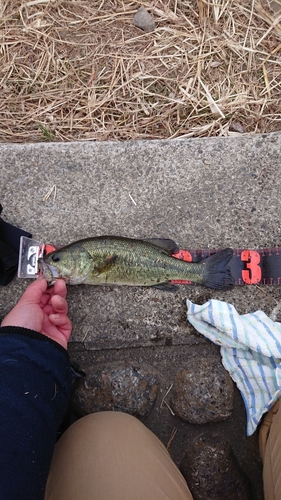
[126, 261]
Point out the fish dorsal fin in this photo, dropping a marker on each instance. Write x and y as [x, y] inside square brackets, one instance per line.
[169, 246]
[106, 264]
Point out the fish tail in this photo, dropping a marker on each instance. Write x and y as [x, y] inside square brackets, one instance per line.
[217, 272]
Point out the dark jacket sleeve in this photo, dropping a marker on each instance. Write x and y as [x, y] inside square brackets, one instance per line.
[35, 384]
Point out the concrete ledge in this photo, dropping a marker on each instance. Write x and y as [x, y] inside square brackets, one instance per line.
[201, 192]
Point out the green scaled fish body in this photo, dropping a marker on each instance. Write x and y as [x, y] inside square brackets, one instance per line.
[126, 261]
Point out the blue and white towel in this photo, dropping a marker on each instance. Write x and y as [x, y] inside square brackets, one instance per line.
[250, 349]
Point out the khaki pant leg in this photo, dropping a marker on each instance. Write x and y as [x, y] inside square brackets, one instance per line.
[113, 456]
[270, 447]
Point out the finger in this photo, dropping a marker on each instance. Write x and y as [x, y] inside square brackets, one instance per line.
[60, 288]
[59, 319]
[59, 304]
[63, 323]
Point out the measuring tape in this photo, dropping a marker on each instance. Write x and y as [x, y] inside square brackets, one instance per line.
[248, 267]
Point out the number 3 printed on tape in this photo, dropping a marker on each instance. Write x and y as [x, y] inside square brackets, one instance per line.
[252, 274]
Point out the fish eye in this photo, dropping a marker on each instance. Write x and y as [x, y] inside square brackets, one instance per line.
[56, 257]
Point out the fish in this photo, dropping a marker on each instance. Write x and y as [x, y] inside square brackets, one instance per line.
[117, 260]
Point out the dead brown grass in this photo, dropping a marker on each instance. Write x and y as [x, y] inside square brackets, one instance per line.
[80, 70]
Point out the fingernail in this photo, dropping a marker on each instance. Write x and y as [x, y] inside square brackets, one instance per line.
[55, 316]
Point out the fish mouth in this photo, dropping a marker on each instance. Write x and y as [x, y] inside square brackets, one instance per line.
[49, 272]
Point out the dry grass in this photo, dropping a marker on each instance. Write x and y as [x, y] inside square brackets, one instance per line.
[80, 70]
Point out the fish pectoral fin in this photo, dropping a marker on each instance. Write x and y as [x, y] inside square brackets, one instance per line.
[169, 246]
[106, 264]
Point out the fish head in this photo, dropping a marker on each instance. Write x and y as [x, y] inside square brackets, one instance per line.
[71, 263]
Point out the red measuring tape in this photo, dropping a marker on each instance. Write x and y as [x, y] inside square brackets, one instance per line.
[248, 267]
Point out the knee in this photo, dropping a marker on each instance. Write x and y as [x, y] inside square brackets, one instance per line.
[110, 421]
[107, 423]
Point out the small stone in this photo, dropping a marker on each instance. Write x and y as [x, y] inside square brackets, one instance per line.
[275, 7]
[131, 389]
[236, 127]
[144, 20]
[212, 472]
[203, 392]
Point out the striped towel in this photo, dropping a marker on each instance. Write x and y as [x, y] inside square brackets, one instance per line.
[250, 349]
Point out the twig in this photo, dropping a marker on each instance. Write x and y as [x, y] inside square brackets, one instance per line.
[48, 194]
[174, 431]
[165, 395]
[133, 200]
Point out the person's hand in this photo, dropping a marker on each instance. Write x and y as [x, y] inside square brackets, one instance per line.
[44, 310]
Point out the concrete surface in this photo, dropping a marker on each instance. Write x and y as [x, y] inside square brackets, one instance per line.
[201, 192]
